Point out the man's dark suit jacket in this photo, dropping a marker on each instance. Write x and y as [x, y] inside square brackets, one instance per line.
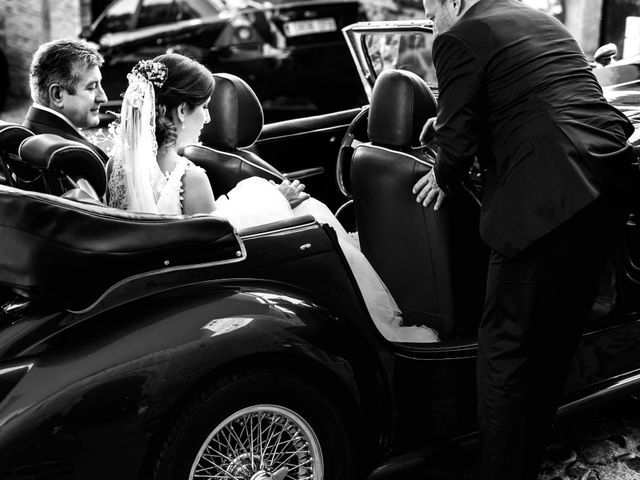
[517, 91]
[40, 121]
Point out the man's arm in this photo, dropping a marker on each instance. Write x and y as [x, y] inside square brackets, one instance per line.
[460, 109]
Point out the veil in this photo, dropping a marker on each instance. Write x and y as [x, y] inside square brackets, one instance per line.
[136, 181]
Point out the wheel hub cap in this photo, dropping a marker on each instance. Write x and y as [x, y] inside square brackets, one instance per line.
[264, 442]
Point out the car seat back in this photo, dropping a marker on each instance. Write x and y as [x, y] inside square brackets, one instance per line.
[63, 165]
[12, 172]
[66, 254]
[431, 261]
[236, 122]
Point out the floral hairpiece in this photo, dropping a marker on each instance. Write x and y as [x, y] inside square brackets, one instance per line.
[154, 72]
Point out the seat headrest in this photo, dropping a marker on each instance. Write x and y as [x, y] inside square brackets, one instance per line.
[12, 135]
[52, 152]
[401, 103]
[236, 114]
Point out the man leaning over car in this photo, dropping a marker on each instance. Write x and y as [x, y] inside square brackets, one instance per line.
[65, 82]
[517, 92]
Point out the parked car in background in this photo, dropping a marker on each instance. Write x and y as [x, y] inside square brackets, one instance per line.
[137, 346]
[288, 51]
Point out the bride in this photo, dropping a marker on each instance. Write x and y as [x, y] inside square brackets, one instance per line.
[164, 108]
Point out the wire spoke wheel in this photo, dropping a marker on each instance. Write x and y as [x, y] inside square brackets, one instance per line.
[260, 442]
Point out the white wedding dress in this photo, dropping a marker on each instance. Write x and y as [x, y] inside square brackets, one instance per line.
[255, 201]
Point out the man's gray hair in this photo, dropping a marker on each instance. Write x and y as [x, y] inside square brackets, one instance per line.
[61, 62]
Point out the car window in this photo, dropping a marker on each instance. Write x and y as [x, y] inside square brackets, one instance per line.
[402, 50]
[119, 17]
[155, 12]
[190, 9]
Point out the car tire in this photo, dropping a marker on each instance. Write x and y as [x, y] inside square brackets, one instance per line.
[4, 80]
[212, 433]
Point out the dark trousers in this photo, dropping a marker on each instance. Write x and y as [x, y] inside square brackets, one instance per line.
[535, 308]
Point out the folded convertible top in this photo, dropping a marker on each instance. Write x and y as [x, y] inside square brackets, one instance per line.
[67, 254]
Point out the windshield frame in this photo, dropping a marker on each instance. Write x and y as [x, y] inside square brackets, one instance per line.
[355, 36]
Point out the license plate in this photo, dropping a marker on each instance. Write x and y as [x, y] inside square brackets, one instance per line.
[306, 27]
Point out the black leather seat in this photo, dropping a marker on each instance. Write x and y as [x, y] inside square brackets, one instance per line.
[65, 167]
[236, 123]
[66, 255]
[11, 173]
[432, 262]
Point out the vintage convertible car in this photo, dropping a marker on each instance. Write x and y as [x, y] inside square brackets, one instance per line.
[169, 347]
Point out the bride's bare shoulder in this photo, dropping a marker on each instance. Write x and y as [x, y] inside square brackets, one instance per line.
[195, 177]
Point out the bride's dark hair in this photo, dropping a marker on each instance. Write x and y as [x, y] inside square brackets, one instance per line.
[187, 82]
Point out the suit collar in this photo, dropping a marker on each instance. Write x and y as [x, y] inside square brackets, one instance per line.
[41, 114]
[42, 120]
[482, 6]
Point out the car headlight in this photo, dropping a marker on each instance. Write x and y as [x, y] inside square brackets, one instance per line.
[243, 33]
[239, 32]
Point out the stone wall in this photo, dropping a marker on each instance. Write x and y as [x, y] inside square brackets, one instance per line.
[25, 24]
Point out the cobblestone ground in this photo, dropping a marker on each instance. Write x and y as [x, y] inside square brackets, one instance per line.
[600, 444]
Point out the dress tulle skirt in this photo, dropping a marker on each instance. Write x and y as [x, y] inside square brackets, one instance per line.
[255, 201]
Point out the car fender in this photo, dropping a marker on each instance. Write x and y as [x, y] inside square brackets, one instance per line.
[100, 388]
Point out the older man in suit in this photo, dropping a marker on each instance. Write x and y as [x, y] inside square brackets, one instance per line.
[66, 89]
[517, 93]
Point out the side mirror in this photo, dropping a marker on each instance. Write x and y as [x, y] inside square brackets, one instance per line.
[606, 54]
